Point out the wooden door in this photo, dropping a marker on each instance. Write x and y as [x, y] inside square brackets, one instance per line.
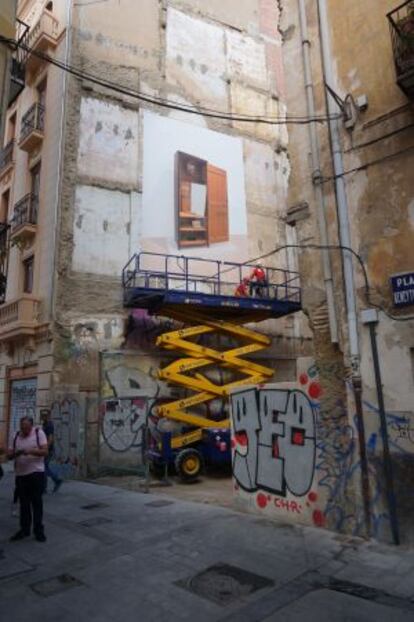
[217, 208]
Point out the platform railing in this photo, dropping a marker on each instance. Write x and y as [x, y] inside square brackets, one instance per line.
[156, 271]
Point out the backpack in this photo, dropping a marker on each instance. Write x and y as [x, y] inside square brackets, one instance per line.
[17, 434]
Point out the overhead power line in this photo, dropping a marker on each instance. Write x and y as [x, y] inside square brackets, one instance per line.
[166, 103]
[363, 167]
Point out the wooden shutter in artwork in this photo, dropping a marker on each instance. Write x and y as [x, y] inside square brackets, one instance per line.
[217, 208]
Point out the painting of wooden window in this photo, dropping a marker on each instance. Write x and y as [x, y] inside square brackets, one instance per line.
[201, 202]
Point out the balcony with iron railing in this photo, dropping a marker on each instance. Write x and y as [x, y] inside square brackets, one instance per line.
[6, 158]
[24, 221]
[32, 128]
[401, 21]
[42, 37]
[19, 318]
[18, 64]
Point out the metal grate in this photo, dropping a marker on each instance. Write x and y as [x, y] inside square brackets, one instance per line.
[354, 589]
[55, 585]
[224, 584]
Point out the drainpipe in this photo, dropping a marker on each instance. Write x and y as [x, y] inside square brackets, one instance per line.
[347, 259]
[341, 198]
[316, 172]
[370, 317]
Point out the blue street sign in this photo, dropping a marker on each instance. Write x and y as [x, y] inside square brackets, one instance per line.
[403, 289]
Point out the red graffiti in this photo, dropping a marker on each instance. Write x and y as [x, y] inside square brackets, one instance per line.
[312, 496]
[303, 379]
[318, 518]
[314, 390]
[290, 506]
[242, 439]
[261, 500]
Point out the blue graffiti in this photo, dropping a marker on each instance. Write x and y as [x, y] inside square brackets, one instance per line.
[339, 470]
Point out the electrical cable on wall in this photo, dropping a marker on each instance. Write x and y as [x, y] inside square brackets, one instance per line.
[362, 167]
[165, 103]
[202, 111]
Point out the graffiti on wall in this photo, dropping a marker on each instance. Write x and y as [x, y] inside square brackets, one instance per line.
[22, 403]
[123, 422]
[79, 347]
[274, 443]
[129, 390]
[143, 329]
[66, 417]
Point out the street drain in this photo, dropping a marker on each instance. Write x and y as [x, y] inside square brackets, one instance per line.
[94, 506]
[355, 589]
[224, 584]
[55, 585]
[95, 521]
[159, 504]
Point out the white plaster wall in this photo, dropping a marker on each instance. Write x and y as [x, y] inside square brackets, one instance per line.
[246, 59]
[102, 230]
[108, 146]
[170, 136]
[195, 57]
[243, 15]
[261, 178]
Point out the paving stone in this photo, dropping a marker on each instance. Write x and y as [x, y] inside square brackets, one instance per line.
[336, 607]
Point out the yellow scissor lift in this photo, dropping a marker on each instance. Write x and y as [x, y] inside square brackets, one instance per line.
[204, 302]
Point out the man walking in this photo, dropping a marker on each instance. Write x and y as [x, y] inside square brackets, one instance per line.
[48, 429]
[28, 451]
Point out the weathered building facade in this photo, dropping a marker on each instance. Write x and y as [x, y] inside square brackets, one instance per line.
[7, 29]
[29, 174]
[106, 191]
[351, 185]
[91, 177]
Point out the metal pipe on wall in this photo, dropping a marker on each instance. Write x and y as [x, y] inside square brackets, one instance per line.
[341, 198]
[316, 172]
[388, 470]
[347, 259]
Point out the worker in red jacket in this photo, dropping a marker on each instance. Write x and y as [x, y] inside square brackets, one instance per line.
[258, 281]
[242, 290]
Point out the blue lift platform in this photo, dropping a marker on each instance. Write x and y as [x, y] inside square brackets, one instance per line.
[200, 293]
[164, 283]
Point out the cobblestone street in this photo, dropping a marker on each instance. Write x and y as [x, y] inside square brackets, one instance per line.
[116, 554]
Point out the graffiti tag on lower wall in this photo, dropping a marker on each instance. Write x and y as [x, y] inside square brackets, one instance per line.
[274, 441]
[122, 424]
[66, 420]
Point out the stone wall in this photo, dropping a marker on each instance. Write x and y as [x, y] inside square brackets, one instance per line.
[379, 188]
[212, 56]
